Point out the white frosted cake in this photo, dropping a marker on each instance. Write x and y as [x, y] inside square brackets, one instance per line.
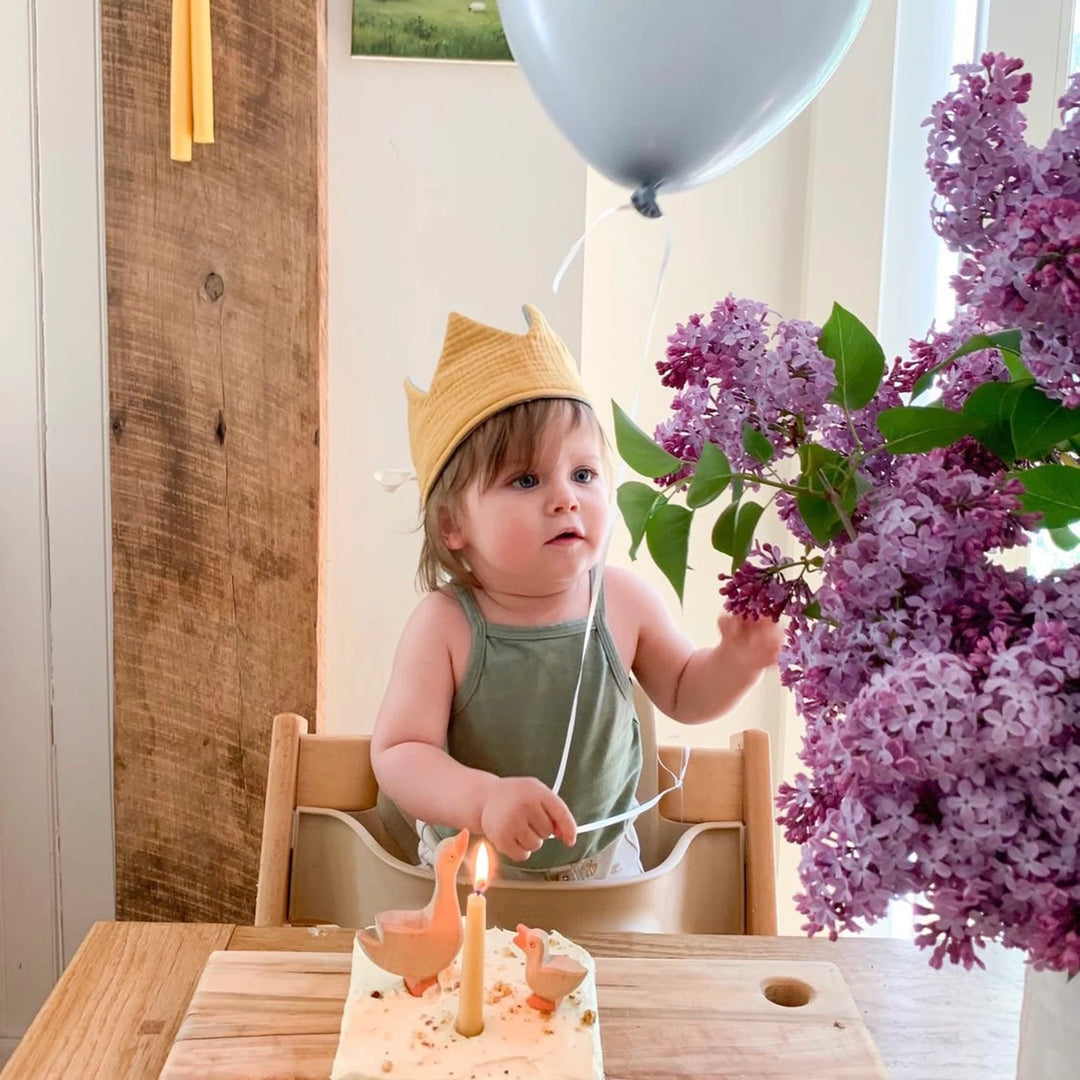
[387, 1033]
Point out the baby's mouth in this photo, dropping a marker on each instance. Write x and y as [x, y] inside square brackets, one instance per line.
[566, 536]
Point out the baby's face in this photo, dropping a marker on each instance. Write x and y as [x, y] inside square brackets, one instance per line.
[538, 529]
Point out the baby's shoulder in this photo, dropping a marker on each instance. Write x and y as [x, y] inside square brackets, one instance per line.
[630, 601]
[623, 586]
[440, 610]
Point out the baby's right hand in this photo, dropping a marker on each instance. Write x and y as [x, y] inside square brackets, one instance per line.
[521, 813]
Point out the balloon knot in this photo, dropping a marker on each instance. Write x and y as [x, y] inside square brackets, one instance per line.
[644, 201]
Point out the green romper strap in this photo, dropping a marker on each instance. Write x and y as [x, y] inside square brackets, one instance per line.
[511, 711]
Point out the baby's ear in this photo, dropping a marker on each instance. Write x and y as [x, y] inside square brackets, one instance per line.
[449, 531]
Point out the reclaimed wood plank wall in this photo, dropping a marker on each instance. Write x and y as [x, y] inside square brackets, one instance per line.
[216, 274]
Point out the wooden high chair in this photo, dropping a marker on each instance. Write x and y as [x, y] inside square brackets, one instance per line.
[707, 849]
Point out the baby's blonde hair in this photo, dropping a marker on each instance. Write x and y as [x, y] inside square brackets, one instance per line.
[510, 438]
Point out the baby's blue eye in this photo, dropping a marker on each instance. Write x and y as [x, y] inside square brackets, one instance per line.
[525, 481]
[583, 476]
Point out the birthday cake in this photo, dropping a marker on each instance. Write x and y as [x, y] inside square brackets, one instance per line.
[388, 1034]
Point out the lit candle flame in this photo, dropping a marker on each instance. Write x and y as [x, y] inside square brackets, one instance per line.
[482, 869]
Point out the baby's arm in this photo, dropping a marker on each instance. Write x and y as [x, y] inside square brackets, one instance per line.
[690, 685]
[407, 749]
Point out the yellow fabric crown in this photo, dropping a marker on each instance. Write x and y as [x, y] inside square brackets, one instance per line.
[481, 371]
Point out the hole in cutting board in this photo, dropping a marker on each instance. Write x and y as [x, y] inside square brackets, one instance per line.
[791, 993]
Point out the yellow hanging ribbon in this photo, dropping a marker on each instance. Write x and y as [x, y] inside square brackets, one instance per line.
[202, 72]
[191, 78]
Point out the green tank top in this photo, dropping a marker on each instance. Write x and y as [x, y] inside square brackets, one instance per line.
[510, 714]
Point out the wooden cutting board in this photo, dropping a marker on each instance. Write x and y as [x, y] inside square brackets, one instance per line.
[276, 1016]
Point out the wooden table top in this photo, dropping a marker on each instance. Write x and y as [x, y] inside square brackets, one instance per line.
[116, 1010]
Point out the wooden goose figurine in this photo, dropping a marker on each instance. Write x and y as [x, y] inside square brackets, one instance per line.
[550, 978]
[419, 944]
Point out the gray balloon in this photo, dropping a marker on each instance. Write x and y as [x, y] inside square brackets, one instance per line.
[668, 94]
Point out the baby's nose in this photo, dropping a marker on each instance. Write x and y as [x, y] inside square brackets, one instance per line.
[564, 497]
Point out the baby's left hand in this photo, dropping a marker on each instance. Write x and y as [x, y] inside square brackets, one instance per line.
[757, 642]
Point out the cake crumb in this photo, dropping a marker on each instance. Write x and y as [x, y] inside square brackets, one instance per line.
[376, 993]
[498, 991]
[387, 1065]
[548, 1031]
[588, 1018]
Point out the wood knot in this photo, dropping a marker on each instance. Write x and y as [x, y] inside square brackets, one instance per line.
[214, 286]
[116, 424]
[219, 431]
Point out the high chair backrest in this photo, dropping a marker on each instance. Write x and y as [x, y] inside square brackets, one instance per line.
[707, 848]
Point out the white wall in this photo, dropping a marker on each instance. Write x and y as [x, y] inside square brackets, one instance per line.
[56, 856]
[449, 189]
[29, 934]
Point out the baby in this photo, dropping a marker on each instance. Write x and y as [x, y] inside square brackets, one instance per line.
[510, 459]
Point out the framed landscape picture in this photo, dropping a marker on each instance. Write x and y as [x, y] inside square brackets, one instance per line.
[436, 29]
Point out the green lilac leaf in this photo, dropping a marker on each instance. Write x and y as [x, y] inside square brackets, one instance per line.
[1064, 538]
[667, 535]
[1039, 423]
[1003, 340]
[825, 471]
[636, 501]
[1053, 491]
[756, 444]
[710, 477]
[638, 450]
[819, 516]
[857, 355]
[989, 408]
[1007, 342]
[926, 379]
[813, 457]
[912, 429]
[723, 532]
[745, 524]
[862, 484]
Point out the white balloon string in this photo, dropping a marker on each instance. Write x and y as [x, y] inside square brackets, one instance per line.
[392, 479]
[613, 517]
[637, 810]
[576, 246]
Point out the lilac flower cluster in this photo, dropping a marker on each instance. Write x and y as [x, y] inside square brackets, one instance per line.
[940, 690]
[1013, 210]
[956, 380]
[763, 588]
[733, 370]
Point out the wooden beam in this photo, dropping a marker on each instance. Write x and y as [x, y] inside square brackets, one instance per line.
[216, 276]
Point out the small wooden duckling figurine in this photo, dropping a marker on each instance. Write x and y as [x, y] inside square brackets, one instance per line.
[419, 944]
[550, 978]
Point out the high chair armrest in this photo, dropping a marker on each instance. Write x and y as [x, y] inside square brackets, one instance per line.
[272, 895]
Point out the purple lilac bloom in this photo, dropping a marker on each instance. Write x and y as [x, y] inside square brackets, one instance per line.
[958, 378]
[735, 370]
[940, 690]
[976, 154]
[1013, 210]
